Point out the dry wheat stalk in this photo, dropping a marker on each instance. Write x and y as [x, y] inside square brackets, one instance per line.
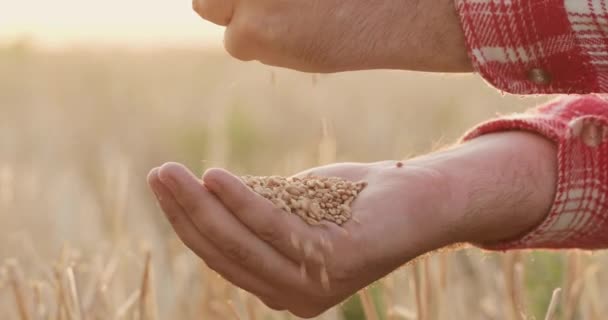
[97, 298]
[369, 308]
[62, 307]
[513, 273]
[122, 310]
[402, 313]
[314, 199]
[251, 310]
[233, 310]
[40, 309]
[418, 291]
[553, 305]
[147, 307]
[429, 293]
[573, 285]
[74, 296]
[17, 286]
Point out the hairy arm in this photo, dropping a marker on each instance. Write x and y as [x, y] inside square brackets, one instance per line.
[336, 35]
[492, 188]
[503, 184]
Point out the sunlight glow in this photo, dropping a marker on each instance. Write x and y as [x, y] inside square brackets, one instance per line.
[116, 22]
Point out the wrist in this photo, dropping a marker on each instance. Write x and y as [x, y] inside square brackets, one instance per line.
[438, 43]
[503, 185]
[408, 35]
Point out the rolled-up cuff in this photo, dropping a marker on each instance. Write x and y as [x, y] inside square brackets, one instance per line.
[537, 46]
[579, 215]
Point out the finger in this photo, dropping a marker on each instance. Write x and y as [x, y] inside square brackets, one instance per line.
[308, 246]
[226, 232]
[286, 233]
[191, 237]
[270, 303]
[216, 11]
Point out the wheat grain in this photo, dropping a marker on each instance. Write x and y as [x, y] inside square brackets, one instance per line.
[314, 199]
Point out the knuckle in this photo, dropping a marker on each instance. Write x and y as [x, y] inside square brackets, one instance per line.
[214, 11]
[237, 253]
[247, 33]
[269, 233]
[274, 305]
[213, 261]
[242, 203]
[173, 218]
[308, 312]
[342, 273]
[192, 244]
[191, 207]
[201, 7]
[237, 42]
[211, 264]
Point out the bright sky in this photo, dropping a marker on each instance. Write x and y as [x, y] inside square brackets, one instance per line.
[57, 23]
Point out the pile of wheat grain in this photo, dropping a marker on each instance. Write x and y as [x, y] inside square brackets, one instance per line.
[314, 199]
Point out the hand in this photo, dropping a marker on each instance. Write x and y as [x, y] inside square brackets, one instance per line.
[335, 35]
[287, 263]
[493, 188]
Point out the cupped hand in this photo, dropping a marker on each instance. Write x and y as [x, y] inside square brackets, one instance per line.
[289, 264]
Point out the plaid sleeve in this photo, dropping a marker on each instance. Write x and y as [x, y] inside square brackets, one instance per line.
[579, 214]
[538, 46]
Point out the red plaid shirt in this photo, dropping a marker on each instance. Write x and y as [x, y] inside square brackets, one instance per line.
[552, 46]
[579, 215]
[538, 46]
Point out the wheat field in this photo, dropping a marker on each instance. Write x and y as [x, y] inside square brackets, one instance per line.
[82, 238]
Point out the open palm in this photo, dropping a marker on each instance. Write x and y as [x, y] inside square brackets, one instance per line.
[288, 264]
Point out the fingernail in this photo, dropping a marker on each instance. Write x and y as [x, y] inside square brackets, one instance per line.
[158, 196]
[153, 189]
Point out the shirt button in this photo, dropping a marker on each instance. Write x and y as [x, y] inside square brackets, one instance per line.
[589, 130]
[539, 76]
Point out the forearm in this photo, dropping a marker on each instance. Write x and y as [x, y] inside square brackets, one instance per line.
[435, 40]
[503, 185]
[410, 35]
[534, 180]
[333, 36]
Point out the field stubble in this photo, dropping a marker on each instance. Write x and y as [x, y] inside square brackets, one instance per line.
[81, 237]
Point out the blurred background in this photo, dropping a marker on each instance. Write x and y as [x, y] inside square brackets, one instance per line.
[95, 93]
